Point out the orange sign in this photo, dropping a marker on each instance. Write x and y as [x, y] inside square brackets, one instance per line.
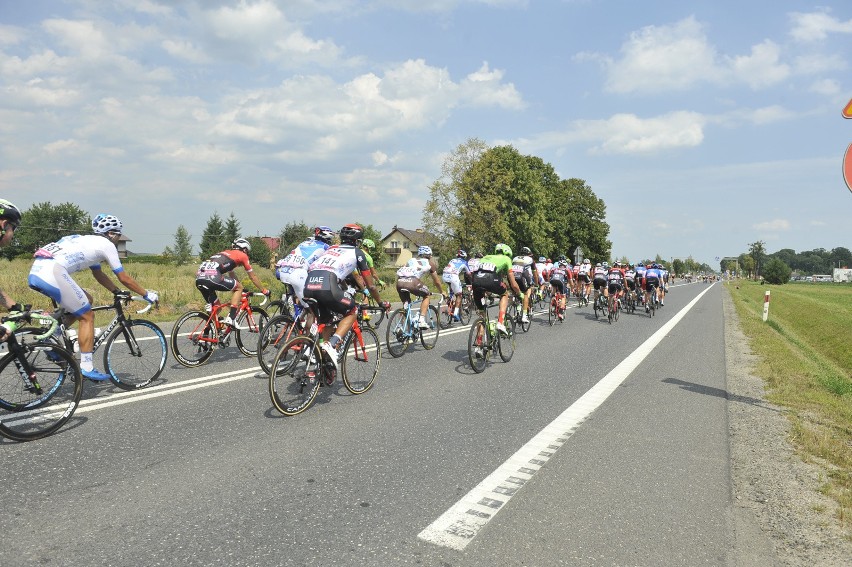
[847, 112]
[847, 167]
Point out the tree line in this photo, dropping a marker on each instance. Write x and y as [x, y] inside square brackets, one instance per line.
[779, 266]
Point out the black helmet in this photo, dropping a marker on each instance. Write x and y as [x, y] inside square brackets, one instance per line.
[525, 251]
[10, 212]
[351, 234]
[324, 234]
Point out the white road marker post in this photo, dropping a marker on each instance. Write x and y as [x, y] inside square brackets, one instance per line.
[766, 306]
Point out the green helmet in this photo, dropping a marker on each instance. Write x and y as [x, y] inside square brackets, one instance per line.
[503, 249]
[367, 243]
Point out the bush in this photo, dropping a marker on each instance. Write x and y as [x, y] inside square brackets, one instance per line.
[776, 272]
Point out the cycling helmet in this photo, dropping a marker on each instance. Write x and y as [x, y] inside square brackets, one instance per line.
[561, 258]
[103, 224]
[324, 234]
[598, 265]
[424, 251]
[241, 244]
[10, 212]
[461, 254]
[587, 261]
[367, 243]
[541, 259]
[351, 234]
[641, 264]
[526, 251]
[563, 262]
[503, 249]
[606, 264]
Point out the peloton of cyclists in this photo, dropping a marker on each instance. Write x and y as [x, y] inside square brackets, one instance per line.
[455, 268]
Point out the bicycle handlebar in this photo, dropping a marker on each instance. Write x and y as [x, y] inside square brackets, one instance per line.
[147, 307]
[40, 318]
[255, 294]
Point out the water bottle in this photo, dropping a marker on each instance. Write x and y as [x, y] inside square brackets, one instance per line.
[492, 327]
[98, 332]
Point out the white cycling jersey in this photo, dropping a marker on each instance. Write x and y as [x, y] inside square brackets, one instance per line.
[77, 252]
[585, 269]
[415, 268]
[341, 260]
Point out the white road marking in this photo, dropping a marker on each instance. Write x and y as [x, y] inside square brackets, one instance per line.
[457, 527]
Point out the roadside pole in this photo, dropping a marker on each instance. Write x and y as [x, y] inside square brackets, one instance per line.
[766, 306]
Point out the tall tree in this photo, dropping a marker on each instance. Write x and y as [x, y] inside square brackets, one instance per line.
[213, 238]
[44, 223]
[260, 253]
[181, 253]
[232, 228]
[757, 251]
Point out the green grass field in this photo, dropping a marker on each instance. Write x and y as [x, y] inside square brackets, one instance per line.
[805, 349]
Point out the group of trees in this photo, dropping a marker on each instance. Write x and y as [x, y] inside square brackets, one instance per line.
[778, 266]
[44, 223]
[490, 195]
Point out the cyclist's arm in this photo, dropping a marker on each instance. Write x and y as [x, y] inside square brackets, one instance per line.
[256, 280]
[364, 279]
[8, 302]
[127, 281]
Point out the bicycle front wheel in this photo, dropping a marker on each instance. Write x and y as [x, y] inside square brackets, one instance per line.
[361, 361]
[247, 331]
[446, 318]
[506, 343]
[466, 310]
[397, 335]
[295, 375]
[277, 331]
[476, 346]
[29, 411]
[135, 354]
[429, 337]
[193, 339]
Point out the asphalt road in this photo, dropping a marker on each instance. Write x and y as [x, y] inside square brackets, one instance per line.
[597, 444]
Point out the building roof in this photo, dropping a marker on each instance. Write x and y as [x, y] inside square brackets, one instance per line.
[418, 237]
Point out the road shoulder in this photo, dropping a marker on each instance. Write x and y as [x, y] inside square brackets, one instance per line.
[779, 516]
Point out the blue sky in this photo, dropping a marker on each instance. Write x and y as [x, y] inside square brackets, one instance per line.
[704, 126]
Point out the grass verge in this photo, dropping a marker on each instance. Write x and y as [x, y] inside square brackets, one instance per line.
[805, 351]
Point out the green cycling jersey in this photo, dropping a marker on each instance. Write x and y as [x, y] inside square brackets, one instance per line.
[497, 263]
[368, 257]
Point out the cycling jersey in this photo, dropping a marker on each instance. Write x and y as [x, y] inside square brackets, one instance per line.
[454, 268]
[416, 268]
[522, 267]
[328, 274]
[54, 262]
[473, 264]
[489, 277]
[543, 272]
[341, 260]
[600, 273]
[293, 268]
[630, 275]
[560, 273]
[585, 269]
[223, 262]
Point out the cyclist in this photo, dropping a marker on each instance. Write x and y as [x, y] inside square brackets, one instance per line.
[51, 275]
[560, 277]
[453, 269]
[489, 278]
[408, 281]
[599, 278]
[615, 281]
[217, 274]
[640, 280]
[652, 283]
[630, 279]
[664, 284]
[543, 271]
[10, 220]
[366, 246]
[526, 277]
[475, 261]
[293, 268]
[584, 275]
[329, 278]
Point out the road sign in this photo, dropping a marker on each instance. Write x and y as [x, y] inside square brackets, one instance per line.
[578, 255]
[847, 167]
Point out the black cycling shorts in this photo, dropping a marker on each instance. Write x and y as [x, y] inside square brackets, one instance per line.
[651, 283]
[487, 282]
[324, 287]
[599, 283]
[558, 286]
[209, 286]
[614, 287]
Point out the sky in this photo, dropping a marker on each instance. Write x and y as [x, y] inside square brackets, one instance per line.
[704, 126]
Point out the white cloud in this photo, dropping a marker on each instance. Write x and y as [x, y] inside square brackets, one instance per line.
[816, 26]
[828, 87]
[11, 35]
[772, 226]
[762, 67]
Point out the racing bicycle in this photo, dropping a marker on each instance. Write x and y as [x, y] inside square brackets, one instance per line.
[404, 328]
[484, 339]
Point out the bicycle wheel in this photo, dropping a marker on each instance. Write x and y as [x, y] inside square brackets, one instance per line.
[616, 310]
[476, 346]
[296, 374]
[135, 354]
[398, 333]
[511, 314]
[506, 343]
[526, 326]
[376, 315]
[361, 361]
[428, 337]
[278, 307]
[551, 313]
[247, 332]
[466, 310]
[27, 413]
[277, 331]
[192, 339]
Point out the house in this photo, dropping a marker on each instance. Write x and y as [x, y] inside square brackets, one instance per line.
[401, 244]
[121, 245]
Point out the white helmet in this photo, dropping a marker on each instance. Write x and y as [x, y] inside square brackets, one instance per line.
[103, 224]
[242, 244]
[586, 261]
[424, 251]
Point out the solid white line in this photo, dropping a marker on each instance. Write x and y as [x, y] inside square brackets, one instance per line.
[457, 527]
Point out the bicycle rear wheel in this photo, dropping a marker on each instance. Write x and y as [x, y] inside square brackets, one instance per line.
[551, 313]
[192, 339]
[277, 331]
[247, 332]
[526, 326]
[26, 413]
[428, 337]
[476, 346]
[135, 354]
[446, 316]
[506, 343]
[361, 361]
[295, 376]
[466, 309]
[398, 333]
